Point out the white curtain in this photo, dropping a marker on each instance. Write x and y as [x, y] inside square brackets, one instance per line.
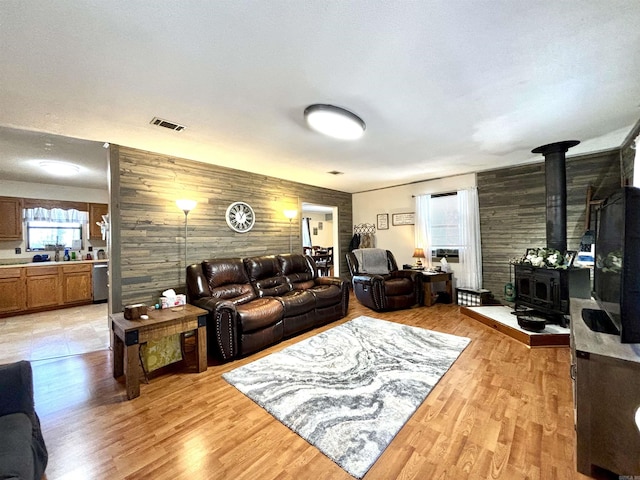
[422, 236]
[55, 215]
[469, 270]
[306, 232]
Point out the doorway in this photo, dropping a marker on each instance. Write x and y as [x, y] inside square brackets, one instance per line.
[322, 229]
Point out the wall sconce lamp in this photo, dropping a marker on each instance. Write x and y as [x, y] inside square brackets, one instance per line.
[186, 206]
[290, 214]
[418, 253]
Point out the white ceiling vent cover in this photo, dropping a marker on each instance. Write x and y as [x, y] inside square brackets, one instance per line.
[167, 124]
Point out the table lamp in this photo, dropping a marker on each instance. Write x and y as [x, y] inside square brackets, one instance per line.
[418, 253]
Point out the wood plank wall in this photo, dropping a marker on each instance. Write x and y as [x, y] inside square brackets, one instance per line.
[512, 209]
[150, 242]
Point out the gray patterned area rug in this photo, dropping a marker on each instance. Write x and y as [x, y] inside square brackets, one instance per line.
[349, 390]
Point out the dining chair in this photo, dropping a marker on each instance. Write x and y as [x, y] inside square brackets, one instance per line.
[324, 262]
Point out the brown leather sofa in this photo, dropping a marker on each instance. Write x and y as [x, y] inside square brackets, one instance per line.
[382, 286]
[257, 301]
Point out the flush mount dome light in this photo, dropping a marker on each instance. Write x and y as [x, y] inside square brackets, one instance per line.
[334, 121]
[59, 169]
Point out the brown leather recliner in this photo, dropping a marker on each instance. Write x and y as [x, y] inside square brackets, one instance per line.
[257, 301]
[379, 285]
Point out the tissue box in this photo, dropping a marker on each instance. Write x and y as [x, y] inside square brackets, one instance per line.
[168, 302]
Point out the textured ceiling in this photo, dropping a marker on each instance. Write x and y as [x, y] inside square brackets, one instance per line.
[445, 87]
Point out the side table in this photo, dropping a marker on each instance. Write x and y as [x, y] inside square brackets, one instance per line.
[129, 334]
[430, 278]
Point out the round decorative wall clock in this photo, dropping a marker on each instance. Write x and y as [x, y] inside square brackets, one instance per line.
[240, 217]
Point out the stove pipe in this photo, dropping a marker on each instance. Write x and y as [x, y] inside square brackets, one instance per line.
[556, 192]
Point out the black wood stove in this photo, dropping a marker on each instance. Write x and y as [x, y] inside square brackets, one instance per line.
[542, 294]
[546, 291]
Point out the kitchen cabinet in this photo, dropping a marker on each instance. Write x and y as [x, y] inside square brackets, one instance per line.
[10, 218]
[45, 286]
[76, 283]
[12, 286]
[96, 211]
[42, 287]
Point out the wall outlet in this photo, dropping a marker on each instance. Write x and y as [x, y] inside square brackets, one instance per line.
[90, 248]
[18, 250]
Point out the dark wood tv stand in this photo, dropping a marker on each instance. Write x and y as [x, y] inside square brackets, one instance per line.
[606, 393]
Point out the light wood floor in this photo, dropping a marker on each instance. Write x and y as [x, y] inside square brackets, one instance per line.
[503, 411]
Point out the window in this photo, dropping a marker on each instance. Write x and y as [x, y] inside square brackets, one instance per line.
[445, 227]
[43, 235]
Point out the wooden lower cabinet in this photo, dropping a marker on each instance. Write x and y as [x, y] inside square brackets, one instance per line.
[42, 287]
[606, 390]
[76, 284]
[37, 288]
[12, 286]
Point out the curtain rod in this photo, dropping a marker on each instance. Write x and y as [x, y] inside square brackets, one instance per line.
[437, 194]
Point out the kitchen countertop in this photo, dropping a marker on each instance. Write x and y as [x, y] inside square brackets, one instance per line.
[49, 263]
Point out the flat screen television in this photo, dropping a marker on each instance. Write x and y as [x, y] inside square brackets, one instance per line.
[617, 262]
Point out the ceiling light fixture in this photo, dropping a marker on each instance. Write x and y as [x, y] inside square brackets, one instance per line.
[59, 169]
[334, 121]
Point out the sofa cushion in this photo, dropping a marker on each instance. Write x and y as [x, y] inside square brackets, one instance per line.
[228, 280]
[259, 313]
[326, 295]
[297, 302]
[16, 447]
[296, 270]
[264, 273]
[373, 261]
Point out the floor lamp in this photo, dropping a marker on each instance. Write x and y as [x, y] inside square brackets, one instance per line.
[186, 206]
[290, 214]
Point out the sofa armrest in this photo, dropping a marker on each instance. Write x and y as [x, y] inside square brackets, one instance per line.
[16, 388]
[417, 279]
[16, 396]
[222, 326]
[338, 282]
[370, 291]
[412, 274]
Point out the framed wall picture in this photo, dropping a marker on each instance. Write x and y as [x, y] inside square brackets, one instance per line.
[382, 221]
[403, 219]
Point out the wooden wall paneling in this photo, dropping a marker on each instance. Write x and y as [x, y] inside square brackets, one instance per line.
[113, 239]
[512, 209]
[150, 235]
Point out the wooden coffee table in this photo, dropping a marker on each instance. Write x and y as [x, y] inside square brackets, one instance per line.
[129, 334]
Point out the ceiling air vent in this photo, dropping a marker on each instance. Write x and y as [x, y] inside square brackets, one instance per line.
[335, 172]
[167, 124]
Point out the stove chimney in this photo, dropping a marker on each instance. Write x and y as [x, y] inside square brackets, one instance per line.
[556, 192]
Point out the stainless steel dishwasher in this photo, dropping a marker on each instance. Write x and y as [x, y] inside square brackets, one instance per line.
[100, 282]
